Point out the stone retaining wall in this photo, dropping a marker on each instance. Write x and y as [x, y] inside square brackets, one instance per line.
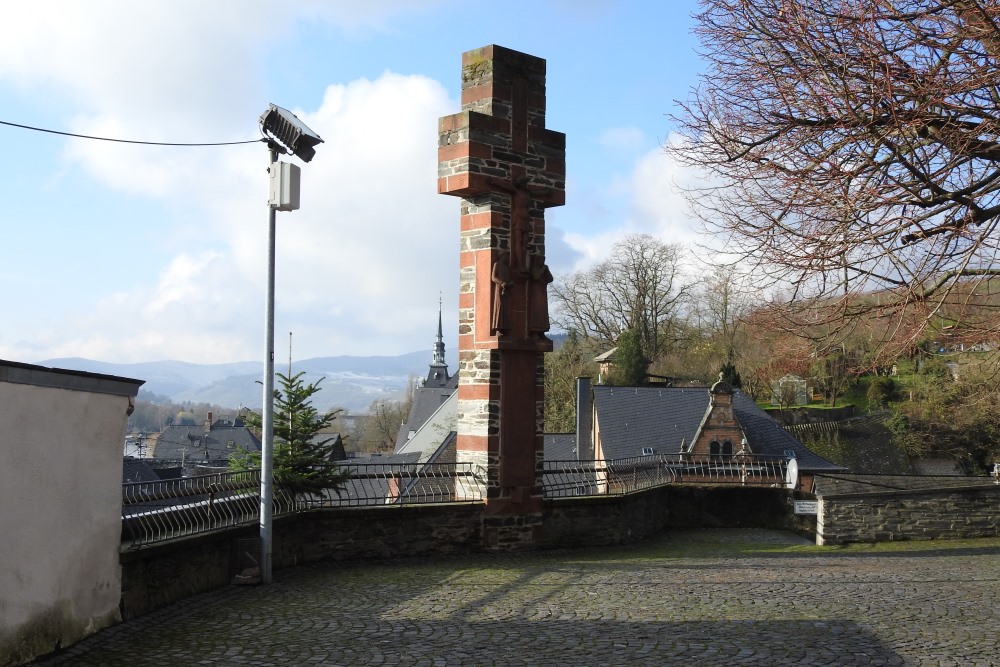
[606, 521]
[915, 514]
[158, 575]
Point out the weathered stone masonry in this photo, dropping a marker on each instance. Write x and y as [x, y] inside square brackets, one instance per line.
[954, 513]
[497, 155]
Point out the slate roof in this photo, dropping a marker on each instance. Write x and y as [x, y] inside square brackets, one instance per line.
[365, 490]
[664, 418]
[560, 446]
[426, 401]
[194, 443]
[137, 470]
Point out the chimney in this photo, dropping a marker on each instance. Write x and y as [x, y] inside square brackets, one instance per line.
[584, 442]
[208, 421]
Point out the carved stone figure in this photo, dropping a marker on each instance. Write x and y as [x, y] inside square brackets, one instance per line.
[520, 217]
[538, 297]
[499, 322]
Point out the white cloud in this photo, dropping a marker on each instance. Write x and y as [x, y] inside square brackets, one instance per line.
[652, 202]
[361, 262]
[373, 237]
[658, 204]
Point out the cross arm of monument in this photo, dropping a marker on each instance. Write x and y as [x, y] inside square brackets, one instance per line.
[468, 163]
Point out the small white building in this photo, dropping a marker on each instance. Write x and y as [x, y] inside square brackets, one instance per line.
[790, 390]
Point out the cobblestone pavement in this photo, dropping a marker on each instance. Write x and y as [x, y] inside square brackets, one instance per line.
[694, 598]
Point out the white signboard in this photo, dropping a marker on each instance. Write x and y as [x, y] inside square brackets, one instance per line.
[806, 506]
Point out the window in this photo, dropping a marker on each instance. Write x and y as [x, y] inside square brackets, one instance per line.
[714, 449]
[647, 451]
[727, 450]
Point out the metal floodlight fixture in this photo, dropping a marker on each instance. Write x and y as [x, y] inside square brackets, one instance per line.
[284, 128]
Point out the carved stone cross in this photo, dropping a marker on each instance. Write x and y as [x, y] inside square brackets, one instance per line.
[498, 156]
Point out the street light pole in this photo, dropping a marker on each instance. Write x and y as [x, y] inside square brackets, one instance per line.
[284, 133]
[267, 425]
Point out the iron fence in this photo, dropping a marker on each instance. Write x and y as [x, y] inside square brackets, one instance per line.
[174, 508]
[594, 478]
[393, 484]
[170, 509]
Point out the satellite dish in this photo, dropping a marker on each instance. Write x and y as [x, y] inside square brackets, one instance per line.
[791, 474]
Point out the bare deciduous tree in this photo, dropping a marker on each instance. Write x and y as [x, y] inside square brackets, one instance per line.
[722, 304]
[381, 425]
[639, 287]
[852, 149]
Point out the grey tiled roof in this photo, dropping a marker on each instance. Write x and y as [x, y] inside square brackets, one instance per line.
[137, 470]
[632, 418]
[194, 443]
[426, 400]
[662, 418]
[560, 447]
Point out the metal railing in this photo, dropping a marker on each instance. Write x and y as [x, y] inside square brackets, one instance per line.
[394, 484]
[174, 508]
[171, 509]
[594, 478]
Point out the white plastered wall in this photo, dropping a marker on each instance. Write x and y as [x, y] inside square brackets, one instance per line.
[60, 516]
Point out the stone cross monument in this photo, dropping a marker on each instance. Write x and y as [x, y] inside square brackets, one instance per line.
[497, 155]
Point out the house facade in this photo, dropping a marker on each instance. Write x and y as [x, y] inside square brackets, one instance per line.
[712, 433]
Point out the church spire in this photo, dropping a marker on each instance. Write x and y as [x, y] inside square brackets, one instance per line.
[437, 374]
[439, 345]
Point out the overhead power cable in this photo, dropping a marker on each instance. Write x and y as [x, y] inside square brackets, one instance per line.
[130, 141]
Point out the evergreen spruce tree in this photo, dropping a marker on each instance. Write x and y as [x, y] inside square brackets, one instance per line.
[303, 462]
[729, 374]
[631, 364]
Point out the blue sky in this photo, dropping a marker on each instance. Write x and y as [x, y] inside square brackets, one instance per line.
[128, 253]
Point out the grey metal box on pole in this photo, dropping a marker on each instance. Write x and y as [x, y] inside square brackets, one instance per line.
[284, 192]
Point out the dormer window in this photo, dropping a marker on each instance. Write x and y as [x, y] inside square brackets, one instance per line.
[647, 451]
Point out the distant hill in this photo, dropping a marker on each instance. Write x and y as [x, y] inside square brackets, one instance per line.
[348, 382]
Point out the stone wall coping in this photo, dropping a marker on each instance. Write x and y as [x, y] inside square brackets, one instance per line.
[250, 530]
[896, 493]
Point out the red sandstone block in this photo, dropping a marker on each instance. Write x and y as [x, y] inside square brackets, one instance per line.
[479, 392]
[482, 122]
[478, 93]
[475, 443]
[536, 100]
[462, 185]
[453, 152]
[466, 300]
[481, 220]
[555, 198]
[453, 185]
[469, 149]
[456, 121]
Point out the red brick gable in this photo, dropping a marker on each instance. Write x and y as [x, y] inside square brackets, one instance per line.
[720, 433]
